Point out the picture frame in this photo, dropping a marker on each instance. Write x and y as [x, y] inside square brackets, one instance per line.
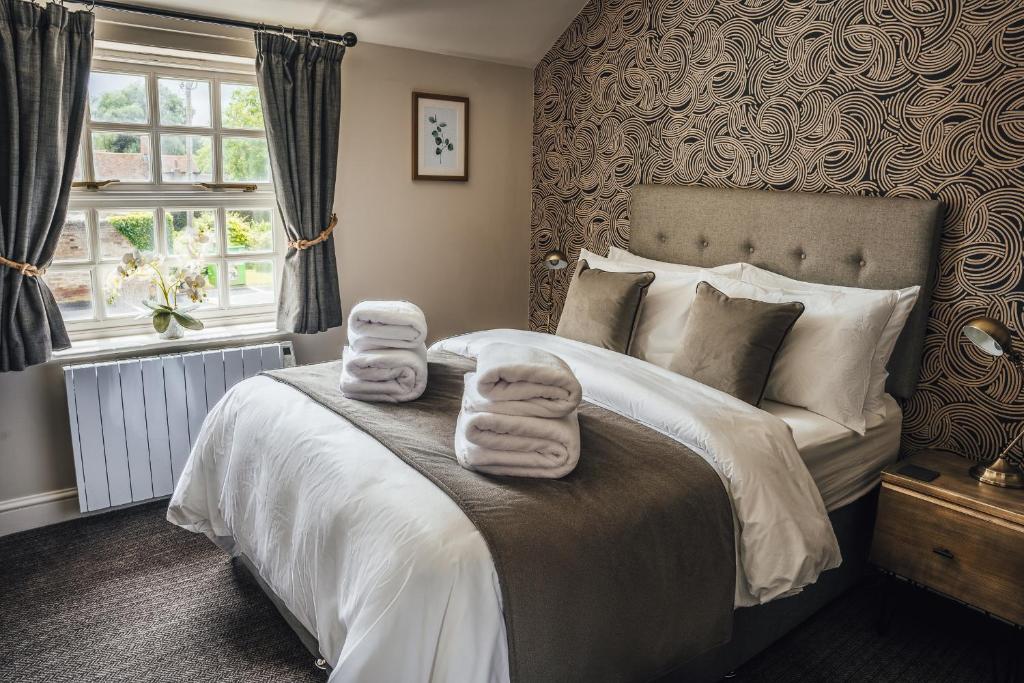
[440, 137]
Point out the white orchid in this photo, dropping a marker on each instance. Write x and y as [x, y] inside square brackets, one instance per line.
[165, 284]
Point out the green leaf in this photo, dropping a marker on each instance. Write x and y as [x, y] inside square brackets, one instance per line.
[187, 321]
[161, 321]
[437, 151]
[450, 147]
[437, 141]
[432, 119]
[443, 124]
[155, 307]
[447, 141]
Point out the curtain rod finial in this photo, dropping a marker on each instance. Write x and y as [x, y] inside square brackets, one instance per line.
[349, 39]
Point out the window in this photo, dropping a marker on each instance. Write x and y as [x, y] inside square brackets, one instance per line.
[159, 130]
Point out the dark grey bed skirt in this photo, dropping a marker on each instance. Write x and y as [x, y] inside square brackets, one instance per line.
[754, 628]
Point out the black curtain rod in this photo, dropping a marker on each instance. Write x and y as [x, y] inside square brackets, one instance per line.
[347, 39]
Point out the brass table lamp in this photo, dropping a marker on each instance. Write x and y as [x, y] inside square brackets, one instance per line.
[553, 260]
[994, 339]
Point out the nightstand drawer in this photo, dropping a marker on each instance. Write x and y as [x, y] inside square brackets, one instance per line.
[965, 554]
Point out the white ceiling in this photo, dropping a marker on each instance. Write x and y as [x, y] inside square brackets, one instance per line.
[515, 32]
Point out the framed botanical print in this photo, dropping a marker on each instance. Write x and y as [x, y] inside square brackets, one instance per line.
[440, 137]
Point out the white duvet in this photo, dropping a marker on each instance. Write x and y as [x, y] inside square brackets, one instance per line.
[389, 574]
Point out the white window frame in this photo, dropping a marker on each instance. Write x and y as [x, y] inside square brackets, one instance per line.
[160, 196]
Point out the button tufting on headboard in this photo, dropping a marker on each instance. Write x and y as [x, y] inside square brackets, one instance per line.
[677, 223]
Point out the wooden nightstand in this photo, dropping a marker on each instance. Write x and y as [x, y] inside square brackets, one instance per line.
[954, 535]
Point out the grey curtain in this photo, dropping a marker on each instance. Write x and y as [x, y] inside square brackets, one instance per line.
[300, 85]
[45, 54]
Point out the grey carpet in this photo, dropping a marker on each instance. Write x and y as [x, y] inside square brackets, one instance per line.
[126, 596]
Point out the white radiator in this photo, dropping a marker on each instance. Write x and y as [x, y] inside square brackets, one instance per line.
[133, 422]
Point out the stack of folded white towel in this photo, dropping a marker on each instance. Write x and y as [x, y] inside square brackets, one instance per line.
[386, 359]
[518, 414]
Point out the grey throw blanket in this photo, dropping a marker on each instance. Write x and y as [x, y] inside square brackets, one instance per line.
[618, 572]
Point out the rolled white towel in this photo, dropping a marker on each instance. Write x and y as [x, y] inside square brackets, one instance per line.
[385, 375]
[518, 446]
[387, 325]
[520, 380]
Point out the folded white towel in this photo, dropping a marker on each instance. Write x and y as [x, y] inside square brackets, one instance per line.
[517, 446]
[513, 379]
[386, 375]
[386, 324]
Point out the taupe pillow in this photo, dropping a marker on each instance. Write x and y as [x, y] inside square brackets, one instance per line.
[601, 307]
[731, 343]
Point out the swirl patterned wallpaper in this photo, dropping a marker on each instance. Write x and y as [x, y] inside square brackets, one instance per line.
[916, 98]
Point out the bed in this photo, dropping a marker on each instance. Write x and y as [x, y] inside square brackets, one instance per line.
[383, 576]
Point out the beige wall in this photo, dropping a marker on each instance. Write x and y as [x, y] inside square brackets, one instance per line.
[459, 250]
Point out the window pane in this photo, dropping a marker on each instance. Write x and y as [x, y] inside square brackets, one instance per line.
[240, 106]
[73, 244]
[73, 291]
[209, 284]
[127, 300]
[210, 273]
[122, 156]
[249, 230]
[184, 103]
[118, 98]
[124, 231]
[246, 160]
[185, 158]
[251, 282]
[78, 166]
[190, 231]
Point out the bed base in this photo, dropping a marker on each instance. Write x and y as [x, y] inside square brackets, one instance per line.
[243, 565]
[754, 628]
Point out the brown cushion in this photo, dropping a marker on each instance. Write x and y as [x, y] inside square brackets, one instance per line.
[730, 343]
[601, 307]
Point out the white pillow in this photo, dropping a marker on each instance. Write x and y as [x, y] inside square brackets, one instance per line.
[874, 403]
[733, 270]
[665, 308]
[824, 363]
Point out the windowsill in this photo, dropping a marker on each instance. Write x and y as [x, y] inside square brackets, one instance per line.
[111, 348]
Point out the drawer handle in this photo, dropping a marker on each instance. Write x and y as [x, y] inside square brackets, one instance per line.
[944, 552]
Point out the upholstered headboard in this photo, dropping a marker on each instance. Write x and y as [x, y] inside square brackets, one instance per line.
[865, 242]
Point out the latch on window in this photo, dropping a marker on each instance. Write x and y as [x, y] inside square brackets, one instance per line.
[244, 187]
[94, 184]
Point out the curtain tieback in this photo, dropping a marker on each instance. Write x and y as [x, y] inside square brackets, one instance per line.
[324, 234]
[25, 268]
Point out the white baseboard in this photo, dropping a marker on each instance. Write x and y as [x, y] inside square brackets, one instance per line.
[41, 509]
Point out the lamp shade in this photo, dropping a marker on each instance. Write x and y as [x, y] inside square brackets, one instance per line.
[989, 335]
[555, 260]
